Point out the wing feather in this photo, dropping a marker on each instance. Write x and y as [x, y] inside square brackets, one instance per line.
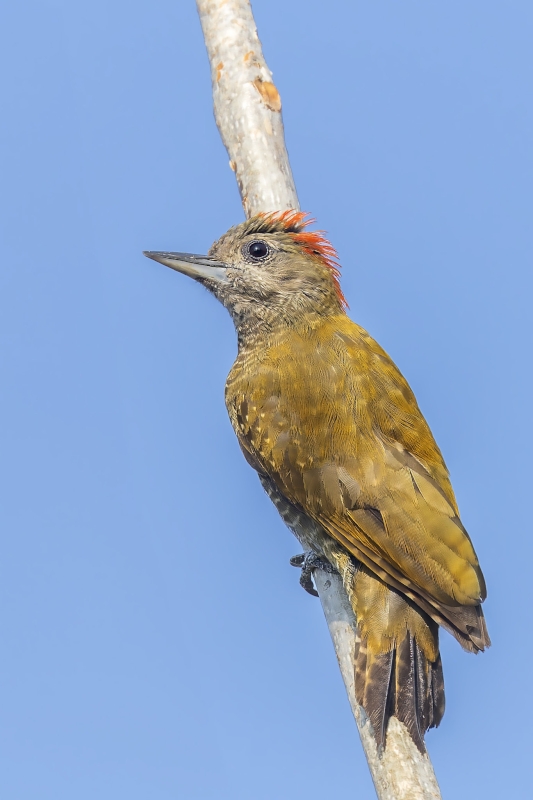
[361, 461]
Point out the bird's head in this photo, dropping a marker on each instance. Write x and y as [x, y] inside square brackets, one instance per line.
[267, 269]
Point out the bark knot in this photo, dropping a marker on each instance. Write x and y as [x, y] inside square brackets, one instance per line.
[269, 94]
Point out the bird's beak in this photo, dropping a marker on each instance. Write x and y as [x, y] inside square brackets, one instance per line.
[197, 267]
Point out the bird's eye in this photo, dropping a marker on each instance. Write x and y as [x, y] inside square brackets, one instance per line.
[256, 250]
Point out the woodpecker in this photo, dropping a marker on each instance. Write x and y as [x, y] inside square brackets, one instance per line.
[340, 445]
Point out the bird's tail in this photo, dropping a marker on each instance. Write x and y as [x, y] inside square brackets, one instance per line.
[403, 683]
[398, 669]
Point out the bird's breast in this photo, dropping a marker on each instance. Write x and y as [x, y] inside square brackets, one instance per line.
[300, 404]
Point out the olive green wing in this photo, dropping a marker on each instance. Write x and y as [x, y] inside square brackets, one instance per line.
[358, 457]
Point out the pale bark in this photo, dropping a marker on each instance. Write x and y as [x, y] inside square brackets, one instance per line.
[248, 114]
[401, 772]
[247, 107]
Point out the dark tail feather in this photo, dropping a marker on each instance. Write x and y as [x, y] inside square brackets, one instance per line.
[400, 683]
[372, 687]
[471, 620]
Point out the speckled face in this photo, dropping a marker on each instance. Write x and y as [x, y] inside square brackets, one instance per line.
[268, 267]
[272, 260]
[276, 272]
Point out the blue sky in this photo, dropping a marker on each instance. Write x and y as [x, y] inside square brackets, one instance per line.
[155, 641]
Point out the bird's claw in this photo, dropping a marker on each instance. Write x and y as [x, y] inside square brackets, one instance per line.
[308, 562]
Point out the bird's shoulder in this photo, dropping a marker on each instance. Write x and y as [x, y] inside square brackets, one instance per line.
[335, 387]
[390, 406]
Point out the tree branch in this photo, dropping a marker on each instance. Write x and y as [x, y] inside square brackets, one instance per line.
[247, 109]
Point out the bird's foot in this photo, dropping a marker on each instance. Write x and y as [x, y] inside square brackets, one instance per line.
[308, 562]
